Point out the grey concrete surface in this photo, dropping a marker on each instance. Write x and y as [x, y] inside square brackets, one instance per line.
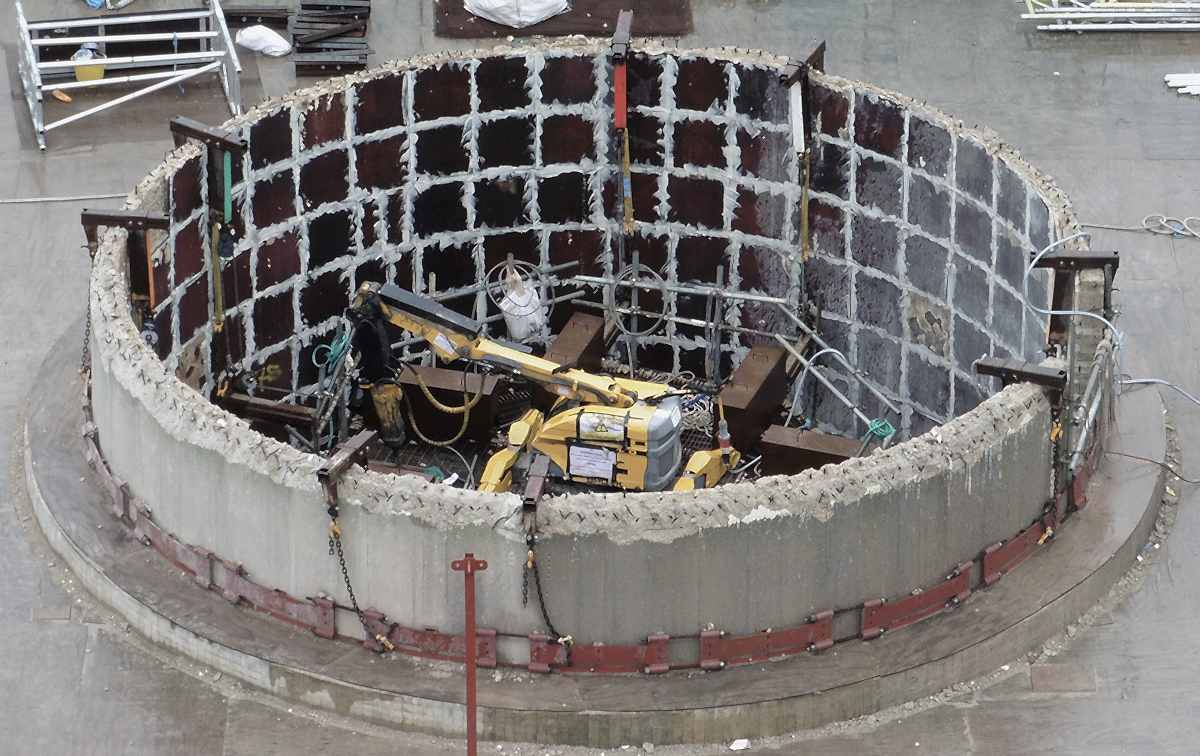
[1090, 110]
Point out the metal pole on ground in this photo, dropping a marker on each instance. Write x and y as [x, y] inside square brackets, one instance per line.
[469, 565]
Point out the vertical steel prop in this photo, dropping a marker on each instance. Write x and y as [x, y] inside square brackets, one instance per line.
[469, 565]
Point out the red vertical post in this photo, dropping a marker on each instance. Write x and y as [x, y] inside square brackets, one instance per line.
[468, 566]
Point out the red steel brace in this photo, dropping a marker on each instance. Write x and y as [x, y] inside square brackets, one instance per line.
[429, 643]
[718, 651]
[650, 658]
[1001, 558]
[545, 652]
[468, 566]
[882, 615]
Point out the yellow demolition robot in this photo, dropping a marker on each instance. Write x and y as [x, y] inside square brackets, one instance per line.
[601, 430]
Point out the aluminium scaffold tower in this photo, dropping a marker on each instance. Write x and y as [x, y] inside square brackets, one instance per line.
[42, 72]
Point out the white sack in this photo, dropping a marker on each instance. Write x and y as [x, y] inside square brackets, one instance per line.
[521, 304]
[516, 13]
[263, 40]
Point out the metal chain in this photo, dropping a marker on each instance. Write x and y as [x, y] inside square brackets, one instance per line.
[537, 582]
[85, 359]
[335, 544]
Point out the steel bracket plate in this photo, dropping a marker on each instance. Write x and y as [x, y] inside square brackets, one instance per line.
[1083, 259]
[717, 650]
[545, 652]
[649, 657]
[1001, 558]
[881, 615]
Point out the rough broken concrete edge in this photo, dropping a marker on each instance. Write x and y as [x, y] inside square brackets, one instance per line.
[189, 417]
[837, 708]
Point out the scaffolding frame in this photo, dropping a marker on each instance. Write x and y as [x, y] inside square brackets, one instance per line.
[1111, 16]
[217, 55]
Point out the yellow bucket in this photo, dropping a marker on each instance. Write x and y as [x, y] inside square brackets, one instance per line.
[89, 72]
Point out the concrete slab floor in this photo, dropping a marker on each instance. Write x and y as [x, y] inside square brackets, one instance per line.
[1089, 109]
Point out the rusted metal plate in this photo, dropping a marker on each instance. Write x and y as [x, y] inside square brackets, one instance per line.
[649, 657]
[195, 563]
[999, 559]
[882, 615]
[718, 650]
[429, 643]
[787, 451]
[545, 652]
[754, 394]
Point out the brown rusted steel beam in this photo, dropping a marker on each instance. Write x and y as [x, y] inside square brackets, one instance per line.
[880, 616]
[1001, 558]
[183, 129]
[257, 408]
[333, 31]
[718, 650]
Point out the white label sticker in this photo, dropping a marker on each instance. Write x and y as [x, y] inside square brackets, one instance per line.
[591, 462]
[600, 427]
[441, 342]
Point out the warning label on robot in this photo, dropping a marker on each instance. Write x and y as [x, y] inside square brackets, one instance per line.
[591, 462]
[597, 426]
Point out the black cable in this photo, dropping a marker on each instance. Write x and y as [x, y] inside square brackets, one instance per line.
[1163, 465]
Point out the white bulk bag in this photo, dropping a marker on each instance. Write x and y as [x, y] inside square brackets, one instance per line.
[517, 13]
[522, 306]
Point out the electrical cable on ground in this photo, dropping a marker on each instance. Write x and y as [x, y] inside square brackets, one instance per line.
[1163, 465]
[1157, 223]
[79, 198]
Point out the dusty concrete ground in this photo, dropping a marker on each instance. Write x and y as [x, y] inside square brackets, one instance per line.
[1090, 110]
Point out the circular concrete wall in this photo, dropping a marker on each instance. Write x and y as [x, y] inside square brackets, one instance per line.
[441, 164]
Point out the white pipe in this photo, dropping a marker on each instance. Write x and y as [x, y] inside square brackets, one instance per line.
[219, 15]
[1122, 27]
[116, 38]
[192, 72]
[114, 80]
[74, 23]
[136, 59]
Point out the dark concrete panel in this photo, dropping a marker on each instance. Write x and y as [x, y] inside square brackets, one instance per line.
[971, 290]
[380, 103]
[761, 95]
[439, 208]
[825, 223]
[879, 357]
[645, 139]
[236, 285]
[973, 171]
[186, 194]
[929, 206]
[278, 260]
[274, 318]
[1010, 259]
[271, 139]
[524, 246]
[760, 214]
[500, 203]
[696, 201]
[564, 198]
[325, 179]
[442, 92]
[878, 303]
[928, 383]
[829, 282]
[381, 164]
[189, 252]
[442, 151]
[875, 243]
[929, 146]
[330, 236]
[831, 109]
[275, 371]
[1010, 201]
[453, 266]
[568, 80]
[502, 84]
[325, 296]
[193, 309]
[228, 347]
[371, 270]
[878, 125]
[394, 225]
[973, 231]
[697, 259]
[644, 80]
[403, 274]
[162, 327]
[926, 265]
[323, 121]
[567, 139]
[967, 396]
[584, 247]
[701, 84]
[508, 141]
[369, 220]
[1039, 223]
[274, 199]
[699, 143]
[762, 269]
[767, 154]
[830, 166]
[1006, 317]
[879, 184]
